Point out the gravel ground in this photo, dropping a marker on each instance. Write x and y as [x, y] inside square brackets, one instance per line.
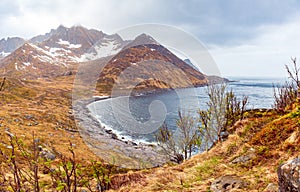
[106, 145]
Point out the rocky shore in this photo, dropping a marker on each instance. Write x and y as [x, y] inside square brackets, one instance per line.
[109, 147]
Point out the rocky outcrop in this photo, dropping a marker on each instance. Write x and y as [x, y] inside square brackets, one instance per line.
[9, 45]
[271, 188]
[250, 155]
[289, 176]
[228, 183]
[46, 153]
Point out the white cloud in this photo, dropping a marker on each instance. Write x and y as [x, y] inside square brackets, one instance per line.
[264, 55]
[250, 37]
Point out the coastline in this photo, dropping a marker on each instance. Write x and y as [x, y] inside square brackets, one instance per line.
[108, 146]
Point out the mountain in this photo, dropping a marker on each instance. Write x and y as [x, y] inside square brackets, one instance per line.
[85, 44]
[142, 39]
[212, 79]
[9, 45]
[31, 62]
[76, 39]
[57, 52]
[147, 67]
[151, 66]
[188, 61]
[108, 45]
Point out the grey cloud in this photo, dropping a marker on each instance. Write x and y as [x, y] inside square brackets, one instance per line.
[212, 21]
[9, 8]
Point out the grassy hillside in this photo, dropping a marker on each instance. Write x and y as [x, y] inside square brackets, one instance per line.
[266, 138]
[44, 108]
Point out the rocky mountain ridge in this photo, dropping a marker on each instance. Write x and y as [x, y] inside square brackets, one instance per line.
[9, 45]
[61, 51]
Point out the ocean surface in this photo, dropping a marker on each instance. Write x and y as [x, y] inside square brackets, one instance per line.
[137, 118]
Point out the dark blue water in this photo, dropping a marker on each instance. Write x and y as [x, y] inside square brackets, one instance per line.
[138, 118]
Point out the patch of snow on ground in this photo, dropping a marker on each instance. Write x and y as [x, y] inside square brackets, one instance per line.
[4, 54]
[104, 50]
[70, 46]
[73, 46]
[62, 42]
[26, 64]
[52, 55]
[45, 58]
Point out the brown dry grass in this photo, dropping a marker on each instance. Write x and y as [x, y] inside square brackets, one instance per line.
[44, 107]
[197, 173]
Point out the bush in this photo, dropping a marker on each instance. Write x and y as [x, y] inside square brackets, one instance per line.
[179, 147]
[284, 96]
[288, 93]
[224, 109]
[22, 167]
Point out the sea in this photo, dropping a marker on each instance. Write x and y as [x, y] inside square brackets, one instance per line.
[138, 118]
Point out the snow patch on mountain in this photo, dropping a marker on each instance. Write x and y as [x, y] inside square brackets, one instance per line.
[62, 42]
[26, 64]
[55, 55]
[4, 54]
[68, 44]
[74, 46]
[105, 49]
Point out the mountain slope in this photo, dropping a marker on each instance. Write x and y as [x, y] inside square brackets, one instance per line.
[32, 62]
[77, 39]
[57, 52]
[108, 45]
[151, 66]
[148, 66]
[252, 153]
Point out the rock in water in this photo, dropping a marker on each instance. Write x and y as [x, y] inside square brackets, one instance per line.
[227, 183]
[289, 176]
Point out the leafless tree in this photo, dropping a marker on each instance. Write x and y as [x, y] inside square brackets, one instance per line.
[223, 110]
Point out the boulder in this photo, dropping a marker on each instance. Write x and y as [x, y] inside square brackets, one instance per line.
[271, 188]
[241, 159]
[245, 158]
[228, 183]
[289, 176]
[47, 154]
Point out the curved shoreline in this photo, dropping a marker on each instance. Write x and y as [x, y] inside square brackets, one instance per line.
[107, 145]
[109, 129]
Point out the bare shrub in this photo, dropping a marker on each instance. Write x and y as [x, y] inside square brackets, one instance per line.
[284, 96]
[288, 93]
[224, 109]
[179, 146]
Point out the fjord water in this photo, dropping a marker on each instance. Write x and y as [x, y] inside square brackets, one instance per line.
[109, 111]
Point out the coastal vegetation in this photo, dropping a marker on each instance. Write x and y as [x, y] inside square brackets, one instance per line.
[33, 159]
[211, 126]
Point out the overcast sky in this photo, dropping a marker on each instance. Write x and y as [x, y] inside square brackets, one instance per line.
[245, 38]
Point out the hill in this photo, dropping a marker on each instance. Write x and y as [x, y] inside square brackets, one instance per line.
[248, 159]
[146, 67]
[253, 151]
